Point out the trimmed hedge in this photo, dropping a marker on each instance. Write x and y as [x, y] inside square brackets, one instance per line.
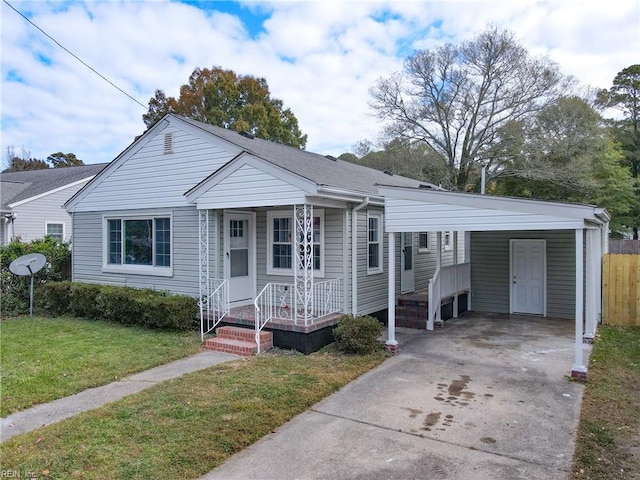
[125, 305]
[357, 335]
[14, 290]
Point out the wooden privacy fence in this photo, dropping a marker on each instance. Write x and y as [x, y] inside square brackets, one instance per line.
[621, 289]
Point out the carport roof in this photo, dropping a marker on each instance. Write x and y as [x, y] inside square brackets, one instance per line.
[415, 209]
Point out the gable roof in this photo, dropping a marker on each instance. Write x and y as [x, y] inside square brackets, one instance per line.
[322, 170]
[19, 186]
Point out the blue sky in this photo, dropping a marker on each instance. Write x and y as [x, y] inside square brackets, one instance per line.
[319, 58]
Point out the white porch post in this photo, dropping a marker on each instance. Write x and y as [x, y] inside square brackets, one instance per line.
[203, 266]
[579, 370]
[391, 343]
[303, 261]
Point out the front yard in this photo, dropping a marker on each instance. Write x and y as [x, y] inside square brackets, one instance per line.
[42, 359]
[181, 428]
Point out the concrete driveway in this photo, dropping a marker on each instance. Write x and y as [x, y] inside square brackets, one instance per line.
[484, 397]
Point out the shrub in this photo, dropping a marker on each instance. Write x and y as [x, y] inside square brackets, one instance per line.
[14, 290]
[125, 305]
[82, 300]
[56, 297]
[357, 335]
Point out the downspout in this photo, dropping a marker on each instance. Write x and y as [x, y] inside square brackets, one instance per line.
[354, 255]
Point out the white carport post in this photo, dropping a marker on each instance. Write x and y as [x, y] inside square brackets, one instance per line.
[391, 344]
[455, 262]
[592, 281]
[579, 370]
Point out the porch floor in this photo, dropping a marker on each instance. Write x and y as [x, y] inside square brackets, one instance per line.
[245, 316]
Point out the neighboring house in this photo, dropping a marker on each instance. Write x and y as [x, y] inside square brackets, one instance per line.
[258, 229]
[32, 201]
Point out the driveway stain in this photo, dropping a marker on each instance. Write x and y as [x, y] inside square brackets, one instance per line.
[431, 420]
[413, 412]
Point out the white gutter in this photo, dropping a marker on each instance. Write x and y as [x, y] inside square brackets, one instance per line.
[354, 255]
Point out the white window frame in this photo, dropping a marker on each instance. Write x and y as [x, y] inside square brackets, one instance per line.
[271, 214]
[380, 242]
[153, 270]
[46, 229]
[426, 249]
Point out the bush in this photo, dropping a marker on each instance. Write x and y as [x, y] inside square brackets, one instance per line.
[125, 305]
[357, 335]
[55, 298]
[14, 290]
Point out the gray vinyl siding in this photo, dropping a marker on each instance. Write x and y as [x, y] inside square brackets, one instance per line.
[88, 244]
[153, 179]
[32, 216]
[373, 289]
[333, 251]
[490, 271]
[425, 262]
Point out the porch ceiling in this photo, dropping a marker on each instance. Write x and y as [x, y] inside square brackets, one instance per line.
[411, 210]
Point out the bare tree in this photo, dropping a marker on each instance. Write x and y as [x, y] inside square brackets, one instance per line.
[457, 100]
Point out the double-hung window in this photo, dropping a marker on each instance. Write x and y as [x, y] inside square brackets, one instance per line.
[55, 231]
[374, 243]
[424, 242]
[280, 231]
[138, 245]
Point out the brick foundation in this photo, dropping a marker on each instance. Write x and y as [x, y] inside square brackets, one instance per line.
[393, 349]
[578, 376]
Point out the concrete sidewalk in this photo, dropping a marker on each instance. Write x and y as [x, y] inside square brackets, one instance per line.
[484, 397]
[48, 413]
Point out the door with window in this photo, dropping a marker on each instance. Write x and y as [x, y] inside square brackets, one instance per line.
[239, 256]
[528, 276]
[407, 278]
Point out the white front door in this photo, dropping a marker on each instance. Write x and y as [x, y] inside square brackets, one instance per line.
[528, 276]
[239, 256]
[407, 279]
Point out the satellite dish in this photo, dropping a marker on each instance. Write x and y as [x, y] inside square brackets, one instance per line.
[28, 265]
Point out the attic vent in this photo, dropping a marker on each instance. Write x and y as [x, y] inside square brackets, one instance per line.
[168, 142]
[246, 135]
[332, 158]
[388, 172]
[426, 187]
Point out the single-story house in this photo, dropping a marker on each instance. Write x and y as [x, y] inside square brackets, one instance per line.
[32, 201]
[276, 238]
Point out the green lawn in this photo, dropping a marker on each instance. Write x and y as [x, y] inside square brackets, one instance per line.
[608, 442]
[42, 359]
[184, 427]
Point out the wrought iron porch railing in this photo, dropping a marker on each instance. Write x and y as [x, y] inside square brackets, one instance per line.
[215, 307]
[278, 301]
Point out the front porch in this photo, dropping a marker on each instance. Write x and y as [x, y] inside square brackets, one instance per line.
[288, 334]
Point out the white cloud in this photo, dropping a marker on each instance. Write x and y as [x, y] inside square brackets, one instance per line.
[320, 58]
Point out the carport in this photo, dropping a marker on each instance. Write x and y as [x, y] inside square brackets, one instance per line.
[525, 256]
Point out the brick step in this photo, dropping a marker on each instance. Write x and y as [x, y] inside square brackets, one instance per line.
[239, 341]
[243, 334]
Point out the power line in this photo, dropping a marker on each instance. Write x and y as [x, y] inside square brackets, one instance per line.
[74, 55]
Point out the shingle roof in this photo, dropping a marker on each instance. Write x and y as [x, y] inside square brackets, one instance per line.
[328, 172]
[16, 186]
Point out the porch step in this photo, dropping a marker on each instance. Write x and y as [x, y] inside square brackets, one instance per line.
[239, 341]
